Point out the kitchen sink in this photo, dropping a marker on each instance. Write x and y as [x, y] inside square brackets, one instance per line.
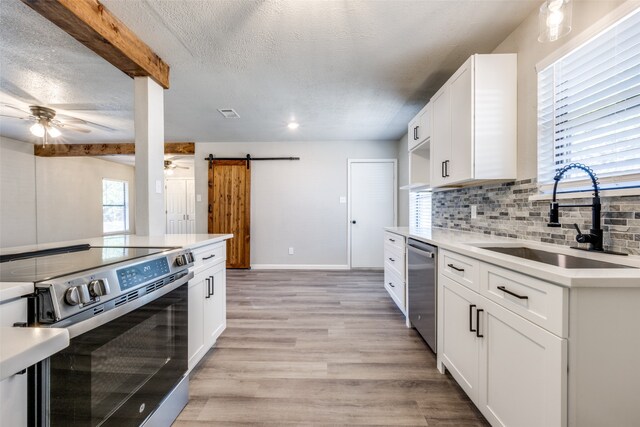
[559, 260]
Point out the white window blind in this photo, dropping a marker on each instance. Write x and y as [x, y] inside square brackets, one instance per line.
[420, 209]
[589, 109]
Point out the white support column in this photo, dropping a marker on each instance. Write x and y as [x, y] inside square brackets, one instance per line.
[149, 132]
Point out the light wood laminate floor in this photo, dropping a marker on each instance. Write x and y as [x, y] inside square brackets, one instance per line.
[320, 348]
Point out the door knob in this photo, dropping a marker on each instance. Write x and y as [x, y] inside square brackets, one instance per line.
[353, 221]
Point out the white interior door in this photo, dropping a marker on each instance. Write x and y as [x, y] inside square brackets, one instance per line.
[372, 206]
[180, 206]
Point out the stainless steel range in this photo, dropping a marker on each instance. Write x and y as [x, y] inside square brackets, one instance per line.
[126, 312]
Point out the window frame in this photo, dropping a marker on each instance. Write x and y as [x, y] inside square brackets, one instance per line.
[626, 184]
[125, 206]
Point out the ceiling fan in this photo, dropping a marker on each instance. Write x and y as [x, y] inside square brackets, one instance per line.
[47, 123]
[169, 166]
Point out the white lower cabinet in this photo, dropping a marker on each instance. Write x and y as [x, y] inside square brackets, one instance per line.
[207, 301]
[13, 390]
[395, 266]
[513, 370]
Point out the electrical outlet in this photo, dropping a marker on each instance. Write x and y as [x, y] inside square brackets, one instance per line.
[474, 211]
[290, 251]
[343, 200]
[198, 197]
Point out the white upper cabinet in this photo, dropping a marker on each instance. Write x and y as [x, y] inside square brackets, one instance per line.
[474, 123]
[419, 129]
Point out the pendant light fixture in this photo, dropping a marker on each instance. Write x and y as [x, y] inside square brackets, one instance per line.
[554, 20]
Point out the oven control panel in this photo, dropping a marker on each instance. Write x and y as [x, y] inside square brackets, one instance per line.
[67, 296]
[130, 277]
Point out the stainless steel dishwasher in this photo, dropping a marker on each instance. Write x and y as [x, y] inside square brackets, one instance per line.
[422, 289]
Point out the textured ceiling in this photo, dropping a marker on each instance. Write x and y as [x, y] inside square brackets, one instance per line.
[346, 70]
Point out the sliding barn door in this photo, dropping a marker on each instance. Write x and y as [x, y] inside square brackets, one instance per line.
[229, 208]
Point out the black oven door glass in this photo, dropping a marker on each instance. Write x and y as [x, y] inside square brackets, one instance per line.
[118, 373]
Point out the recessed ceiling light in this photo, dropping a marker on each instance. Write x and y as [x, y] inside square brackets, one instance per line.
[293, 125]
[229, 113]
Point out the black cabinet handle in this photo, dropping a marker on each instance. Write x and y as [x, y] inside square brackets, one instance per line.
[478, 334]
[208, 288]
[455, 268]
[442, 169]
[507, 291]
[392, 260]
[208, 257]
[417, 135]
[391, 285]
[471, 317]
[212, 285]
[446, 168]
[392, 240]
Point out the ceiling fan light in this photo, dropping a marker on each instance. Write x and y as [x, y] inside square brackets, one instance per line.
[554, 20]
[37, 129]
[168, 171]
[53, 132]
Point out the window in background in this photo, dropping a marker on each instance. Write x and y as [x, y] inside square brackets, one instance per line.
[420, 209]
[115, 206]
[589, 110]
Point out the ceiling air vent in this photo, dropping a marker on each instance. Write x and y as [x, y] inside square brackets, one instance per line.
[229, 113]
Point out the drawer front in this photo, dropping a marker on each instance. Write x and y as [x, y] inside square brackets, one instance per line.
[540, 302]
[209, 255]
[395, 240]
[460, 268]
[394, 259]
[395, 286]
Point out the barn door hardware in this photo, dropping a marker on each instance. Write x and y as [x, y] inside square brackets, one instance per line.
[247, 158]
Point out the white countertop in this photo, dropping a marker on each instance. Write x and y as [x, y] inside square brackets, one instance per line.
[467, 243]
[23, 347]
[11, 290]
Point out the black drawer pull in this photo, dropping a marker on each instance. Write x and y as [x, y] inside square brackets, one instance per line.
[208, 257]
[471, 317]
[478, 334]
[390, 284]
[455, 268]
[392, 240]
[392, 260]
[208, 288]
[507, 291]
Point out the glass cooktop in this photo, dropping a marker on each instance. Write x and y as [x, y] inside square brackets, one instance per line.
[46, 265]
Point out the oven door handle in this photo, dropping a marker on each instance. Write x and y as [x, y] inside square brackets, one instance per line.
[109, 315]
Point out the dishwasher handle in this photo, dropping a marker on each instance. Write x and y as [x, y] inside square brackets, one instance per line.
[421, 252]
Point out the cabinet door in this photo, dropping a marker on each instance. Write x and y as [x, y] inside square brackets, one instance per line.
[215, 303]
[196, 313]
[523, 371]
[412, 132]
[13, 390]
[440, 136]
[460, 167]
[460, 348]
[424, 130]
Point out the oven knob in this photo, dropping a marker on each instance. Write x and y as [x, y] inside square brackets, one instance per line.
[71, 297]
[77, 295]
[98, 288]
[181, 260]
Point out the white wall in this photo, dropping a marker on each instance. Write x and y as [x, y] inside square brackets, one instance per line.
[524, 42]
[403, 179]
[17, 193]
[53, 199]
[69, 196]
[294, 203]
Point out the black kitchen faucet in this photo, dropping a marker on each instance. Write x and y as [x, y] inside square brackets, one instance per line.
[594, 237]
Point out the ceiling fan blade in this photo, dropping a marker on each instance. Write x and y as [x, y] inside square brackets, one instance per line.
[15, 117]
[65, 118]
[74, 128]
[13, 107]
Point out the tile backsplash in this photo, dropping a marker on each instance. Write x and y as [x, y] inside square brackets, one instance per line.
[505, 210]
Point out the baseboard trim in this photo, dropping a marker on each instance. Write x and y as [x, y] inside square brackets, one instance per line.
[299, 267]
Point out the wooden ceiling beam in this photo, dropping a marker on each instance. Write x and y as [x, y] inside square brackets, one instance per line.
[89, 22]
[78, 150]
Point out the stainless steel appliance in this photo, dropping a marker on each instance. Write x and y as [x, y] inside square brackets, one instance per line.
[126, 312]
[422, 260]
